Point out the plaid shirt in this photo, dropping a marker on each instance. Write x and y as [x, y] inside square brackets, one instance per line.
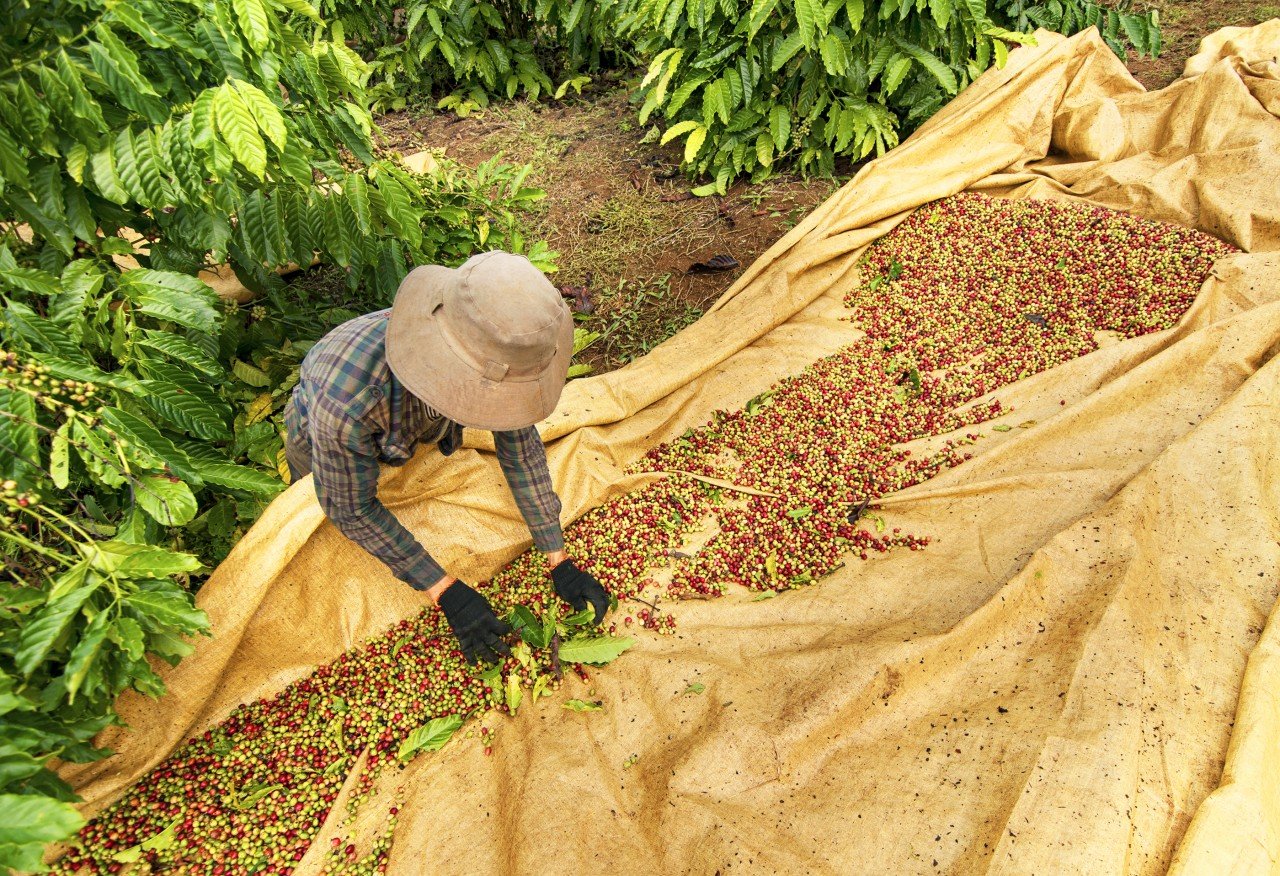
[351, 412]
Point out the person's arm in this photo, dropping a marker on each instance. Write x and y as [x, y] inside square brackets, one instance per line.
[523, 459]
[344, 462]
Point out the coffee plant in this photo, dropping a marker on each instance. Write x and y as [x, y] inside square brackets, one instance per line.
[803, 82]
[469, 51]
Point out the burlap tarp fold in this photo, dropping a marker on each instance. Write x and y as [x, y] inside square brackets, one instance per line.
[1079, 675]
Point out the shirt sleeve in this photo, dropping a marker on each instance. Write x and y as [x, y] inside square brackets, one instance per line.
[523, 459]
[345, 468]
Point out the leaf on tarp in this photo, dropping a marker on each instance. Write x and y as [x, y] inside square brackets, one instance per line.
[540, 687]
[584, 706]
[799, 513]
[158, 843]
[859, 510]
[696, 688]
[431, 736]
[910, 380]
[597, 649]
[1001, 427]
[768, 594]
[514, 694]
[580, 618]
[714, 265]
[250, 796]
[1026, 424]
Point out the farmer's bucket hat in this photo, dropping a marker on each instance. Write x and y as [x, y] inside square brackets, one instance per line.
[486, 344]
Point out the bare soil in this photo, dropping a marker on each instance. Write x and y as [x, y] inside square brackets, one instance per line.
[1183, 23]
[618, 211]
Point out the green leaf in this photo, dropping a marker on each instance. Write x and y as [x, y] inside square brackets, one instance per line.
[27, 820]
[170, 608]
[60, 456]
[40, 633]
[771, 569]
[238, 477]
[251, 796]
[139, 560]
[760, 12]
[799, 513]
[598, 649]
[252, 17]
[946, 78]
[32, 280]
[265, 113]
[19, 437]
[1002, 427]
[85, 653]
[1002, 53]
[240, 131]
[514, 694]
[175, 297]
[696, 688]
[676, 130]
[584, 706]
[807, 15]
[301, 7]
[580, 618]
[186, 406]
[165, 498]
[155, 843]
[780, 126]
[691, 146]
[179, 350]
[431, 736]
[147, 437]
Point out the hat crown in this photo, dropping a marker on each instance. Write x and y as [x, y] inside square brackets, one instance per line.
[504, 316]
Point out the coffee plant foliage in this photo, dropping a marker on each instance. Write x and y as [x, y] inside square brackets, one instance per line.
[468, 52]
[748, 88]
[140, 415]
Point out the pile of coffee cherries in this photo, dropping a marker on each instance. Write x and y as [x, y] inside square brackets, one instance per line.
[967, 295]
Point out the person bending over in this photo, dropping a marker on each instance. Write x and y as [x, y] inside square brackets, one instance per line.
[485, 346]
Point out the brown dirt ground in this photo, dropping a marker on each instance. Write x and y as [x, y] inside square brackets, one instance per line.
[619, 215]
[1183, 23]
[617, 211]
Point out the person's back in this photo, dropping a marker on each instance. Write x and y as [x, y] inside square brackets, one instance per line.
[486, 346]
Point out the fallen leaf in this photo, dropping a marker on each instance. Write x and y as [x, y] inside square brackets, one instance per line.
[584, 706]
[1001, 427]
[714, 265]
[696, 688]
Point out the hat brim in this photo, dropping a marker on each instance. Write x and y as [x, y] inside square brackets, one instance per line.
[423, 361]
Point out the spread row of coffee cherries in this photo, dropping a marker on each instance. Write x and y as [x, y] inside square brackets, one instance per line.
[965, 296]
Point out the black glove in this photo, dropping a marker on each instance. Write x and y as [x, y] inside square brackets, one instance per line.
[477, 628]
[577, 588]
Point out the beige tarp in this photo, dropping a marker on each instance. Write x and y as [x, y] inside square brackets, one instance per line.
[1052, 686]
